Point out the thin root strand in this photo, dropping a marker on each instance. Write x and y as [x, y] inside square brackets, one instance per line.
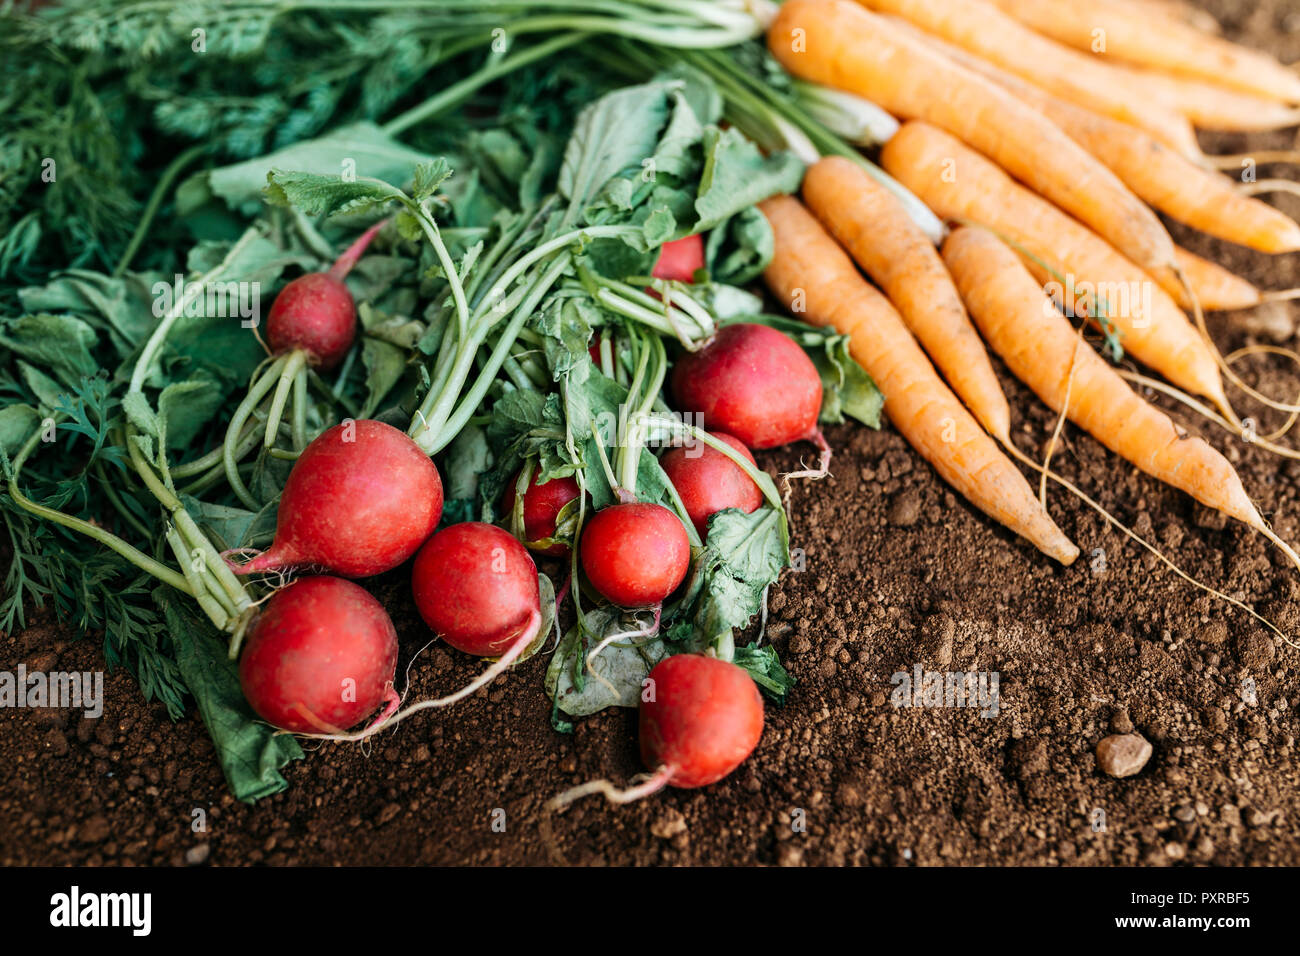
[521, 643]
[1263, 529]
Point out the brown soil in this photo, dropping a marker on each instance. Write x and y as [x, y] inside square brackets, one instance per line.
[899, 571]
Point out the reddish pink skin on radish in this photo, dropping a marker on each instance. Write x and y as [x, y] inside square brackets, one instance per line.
[320, 657]
[705, 719]
[542, 505]
[753, 382]
[314, 313]
[680, 259]
[635, 554]
[476, 587]
[360, 500]
[708, 481]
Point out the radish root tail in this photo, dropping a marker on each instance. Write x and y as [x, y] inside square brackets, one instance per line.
[650, 630]
[521, 643]
[644, 786]
[813, 474]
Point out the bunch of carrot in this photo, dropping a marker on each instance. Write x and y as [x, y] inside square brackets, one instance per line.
[1049, 134]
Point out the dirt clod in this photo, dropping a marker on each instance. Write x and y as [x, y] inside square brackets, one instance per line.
[905, 509]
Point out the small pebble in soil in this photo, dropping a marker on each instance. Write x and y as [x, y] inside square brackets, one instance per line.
[94, 830]
[937, 634]
[789, 855]
[1123, 755]
[198, 855]
[669, 825]
[1257, 651]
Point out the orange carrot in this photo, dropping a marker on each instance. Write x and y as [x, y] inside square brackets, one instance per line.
[1208, 105]
[982, 29]
[1176, 186]
[840, 44]
[814, 277]
[958, 183]
[1177, 11]
[1216, 288]
[1119, 30]
[1043, 351]
[876, 230]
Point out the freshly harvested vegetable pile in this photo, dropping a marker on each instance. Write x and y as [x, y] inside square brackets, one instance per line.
[467, 369]
[512, 340]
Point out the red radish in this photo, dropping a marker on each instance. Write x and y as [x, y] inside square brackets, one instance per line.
[753, 382]
[635, 554]
[360, 500]
[320, 657]
[475, 585]
[316, 313]
[700, 718]
[542, 506]
[680, 259]
[708, 481]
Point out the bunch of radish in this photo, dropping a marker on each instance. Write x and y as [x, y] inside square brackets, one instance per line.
[363, 498]
[700, 716]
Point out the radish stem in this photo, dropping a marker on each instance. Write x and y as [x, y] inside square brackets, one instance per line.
[299, 427]
[292, 365]
[251, 400]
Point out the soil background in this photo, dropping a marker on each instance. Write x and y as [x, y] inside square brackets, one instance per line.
[899, 571]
